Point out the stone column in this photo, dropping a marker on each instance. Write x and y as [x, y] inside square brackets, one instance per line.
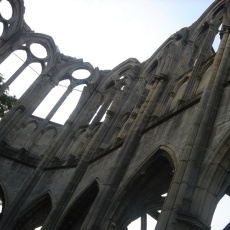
[99, 208]
[195, 72]
[181, 191]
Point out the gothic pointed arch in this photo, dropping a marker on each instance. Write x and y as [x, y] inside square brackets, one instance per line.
[77, 212]
[3, 199]
[214, 182]
[35, 214]
[214, 10]
[129, 68]
[25, 43]
[219, 158]
[45, 140]
[144, 191]
[24, 134]
[221, 214]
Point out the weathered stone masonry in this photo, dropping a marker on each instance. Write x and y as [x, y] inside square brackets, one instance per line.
[166, 130]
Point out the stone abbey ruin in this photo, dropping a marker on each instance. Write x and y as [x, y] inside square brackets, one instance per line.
[166, 130]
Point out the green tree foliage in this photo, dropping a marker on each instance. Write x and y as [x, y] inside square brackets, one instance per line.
[6, 101]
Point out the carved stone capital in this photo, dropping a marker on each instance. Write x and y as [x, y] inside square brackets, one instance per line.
[172, 94]
[210, 24]
[110, 114]
[160, 77]
[192, 220]
[21, 108]
[148, 87]
[198, 78]
[99, 95]
[52, 83]
[68, 123]
[133, 115]
[70, 88]
[225, 29]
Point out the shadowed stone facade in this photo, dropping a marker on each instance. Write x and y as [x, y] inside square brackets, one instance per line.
[166, 130]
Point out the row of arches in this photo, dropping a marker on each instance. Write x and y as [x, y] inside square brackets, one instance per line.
[118, 83]
[35, 214]
[46, 59]
[106, 94]
[30, 73]
[43, 142]
[143, 194]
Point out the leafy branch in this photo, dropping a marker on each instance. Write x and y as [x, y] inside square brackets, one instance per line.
[6, 101]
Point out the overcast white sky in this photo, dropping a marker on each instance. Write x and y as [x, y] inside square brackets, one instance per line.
[107, 32]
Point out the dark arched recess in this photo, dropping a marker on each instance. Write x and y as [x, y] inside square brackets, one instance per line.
[77, 213]
[35, 215]
[143, 195]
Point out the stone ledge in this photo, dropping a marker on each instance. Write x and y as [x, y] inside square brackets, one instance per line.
[19, 155]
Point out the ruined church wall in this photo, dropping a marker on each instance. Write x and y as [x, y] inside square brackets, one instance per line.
[13, 172]
[53, 182]
[171, 134]
[222, 122]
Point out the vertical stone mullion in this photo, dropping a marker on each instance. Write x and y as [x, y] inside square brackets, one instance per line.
[47, 119]
[195, 72]
[13, 77]
[144, 222]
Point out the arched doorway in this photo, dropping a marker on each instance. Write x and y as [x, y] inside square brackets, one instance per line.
[35, 215]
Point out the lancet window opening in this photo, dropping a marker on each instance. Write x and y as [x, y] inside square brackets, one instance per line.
[91, 121]
[145, 222]
[76, 214]
[62, 99]
[108, 95]
[100, 114]
[216, 41]
[17, 74]
[34, 216]
[221, 215]
[2, 203]
[38, 228]
[32, 58]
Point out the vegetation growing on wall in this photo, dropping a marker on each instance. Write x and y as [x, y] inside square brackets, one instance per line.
[6, 101]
